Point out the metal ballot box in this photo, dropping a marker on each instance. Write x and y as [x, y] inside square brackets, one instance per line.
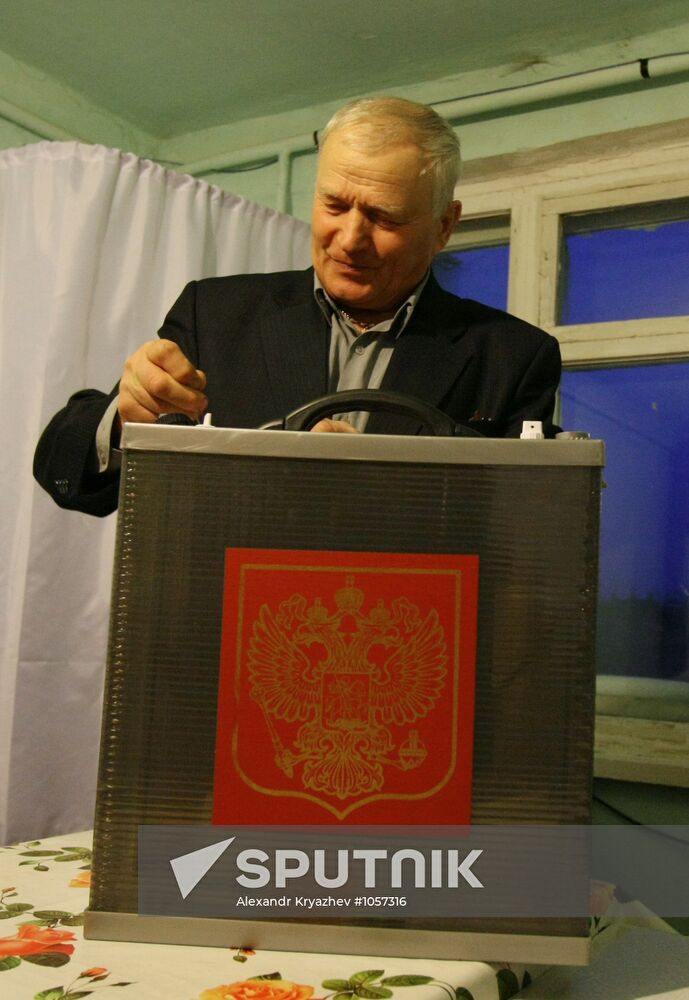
[283, 550]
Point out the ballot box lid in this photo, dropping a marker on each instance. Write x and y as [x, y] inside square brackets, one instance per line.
[362, 447]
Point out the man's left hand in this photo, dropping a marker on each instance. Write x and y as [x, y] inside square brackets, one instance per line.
[329, 426]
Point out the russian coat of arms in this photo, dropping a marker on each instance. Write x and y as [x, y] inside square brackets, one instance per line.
[347, 677]
[346, 688]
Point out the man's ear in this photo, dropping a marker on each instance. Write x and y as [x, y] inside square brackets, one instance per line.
[448, 221]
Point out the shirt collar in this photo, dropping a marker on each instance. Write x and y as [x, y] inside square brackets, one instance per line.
[397, 322]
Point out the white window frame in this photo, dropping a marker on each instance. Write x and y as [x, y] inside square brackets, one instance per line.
[649, 339]
[642, 727]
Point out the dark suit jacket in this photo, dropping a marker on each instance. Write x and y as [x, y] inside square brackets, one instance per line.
[263, 342]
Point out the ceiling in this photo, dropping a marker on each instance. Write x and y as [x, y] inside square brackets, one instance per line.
[175, 66]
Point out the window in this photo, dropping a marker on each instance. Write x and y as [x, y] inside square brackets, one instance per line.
[619, 264]
[642, 414]
[603, 224]
[625, 263]
[476, 263]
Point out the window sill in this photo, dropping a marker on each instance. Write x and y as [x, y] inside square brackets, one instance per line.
[646, 750]
[642, 730]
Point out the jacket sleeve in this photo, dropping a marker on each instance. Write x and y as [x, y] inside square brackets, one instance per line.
[534, 398]
[65, 459]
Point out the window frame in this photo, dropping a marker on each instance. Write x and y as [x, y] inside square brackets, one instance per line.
[642, 728]
[648, 339]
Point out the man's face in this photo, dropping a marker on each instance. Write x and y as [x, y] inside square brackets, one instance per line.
[373, 229]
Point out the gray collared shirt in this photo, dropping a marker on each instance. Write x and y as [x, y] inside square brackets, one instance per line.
[359, 360]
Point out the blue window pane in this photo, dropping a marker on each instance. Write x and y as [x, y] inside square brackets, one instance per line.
[642, 415]
[476, 273]
[620, 264]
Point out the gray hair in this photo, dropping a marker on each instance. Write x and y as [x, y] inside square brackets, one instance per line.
[375, 123]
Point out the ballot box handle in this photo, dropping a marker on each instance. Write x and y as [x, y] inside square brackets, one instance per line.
[373, 400]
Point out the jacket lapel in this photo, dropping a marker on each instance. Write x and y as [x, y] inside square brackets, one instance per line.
[295, 341]
[430, 356]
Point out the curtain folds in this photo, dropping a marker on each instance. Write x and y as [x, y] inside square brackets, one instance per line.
[95, 245]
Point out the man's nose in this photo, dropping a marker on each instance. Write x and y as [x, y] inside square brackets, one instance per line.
[355, 232]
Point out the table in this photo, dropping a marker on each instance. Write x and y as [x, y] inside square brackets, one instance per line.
[43, 954]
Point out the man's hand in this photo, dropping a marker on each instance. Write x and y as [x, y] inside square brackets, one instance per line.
[158, 378]
[333, 427]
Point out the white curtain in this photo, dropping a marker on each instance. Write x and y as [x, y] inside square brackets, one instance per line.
[95, 245]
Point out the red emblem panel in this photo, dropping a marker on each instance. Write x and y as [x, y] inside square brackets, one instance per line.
[346, 688]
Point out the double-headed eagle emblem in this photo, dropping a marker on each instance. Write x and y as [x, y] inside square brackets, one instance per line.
[348, 681]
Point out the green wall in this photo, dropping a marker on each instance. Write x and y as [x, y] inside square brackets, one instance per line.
[490, 135]
[67, 114]
[14, 135]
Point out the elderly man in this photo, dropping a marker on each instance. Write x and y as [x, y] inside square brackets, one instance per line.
[369, 314]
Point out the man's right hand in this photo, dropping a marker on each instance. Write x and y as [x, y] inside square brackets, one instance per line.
[159, 378]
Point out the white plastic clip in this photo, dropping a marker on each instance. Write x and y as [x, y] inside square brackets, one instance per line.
[532, 430]
[208, 420]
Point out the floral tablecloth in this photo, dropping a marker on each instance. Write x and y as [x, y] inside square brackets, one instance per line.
[43, 954]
